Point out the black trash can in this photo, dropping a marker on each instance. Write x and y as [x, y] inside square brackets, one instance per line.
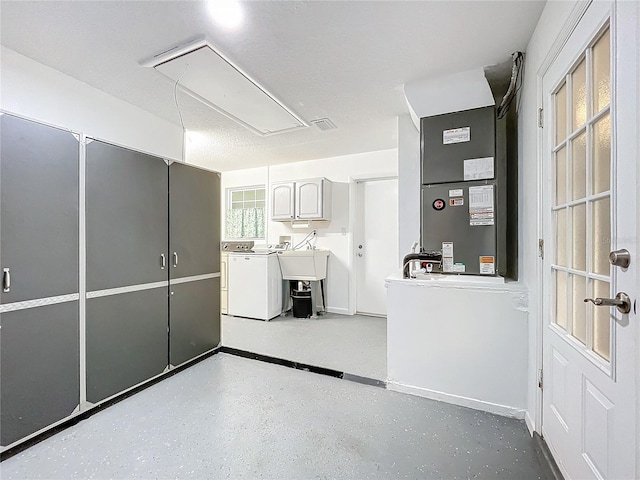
[301, 303]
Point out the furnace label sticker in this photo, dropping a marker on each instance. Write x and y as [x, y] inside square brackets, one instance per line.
[456, 135]
[456, 202]
[458, 192]
[447, 249]
[459, 267]
[478, 168]
[487, 265]
[481, 209]
[447, 257]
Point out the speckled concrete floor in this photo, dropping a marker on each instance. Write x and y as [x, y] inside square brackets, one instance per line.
[354, 344]
[230, 417]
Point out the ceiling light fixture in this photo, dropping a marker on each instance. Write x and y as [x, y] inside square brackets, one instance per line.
[226, 13]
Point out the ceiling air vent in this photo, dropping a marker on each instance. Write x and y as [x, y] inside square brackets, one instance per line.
[203, 72]
[323, 124]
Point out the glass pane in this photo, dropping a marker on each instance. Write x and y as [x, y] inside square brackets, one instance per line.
[249, 204]
[249, 195]
[561, 235]
[579, 240]
[236, 196]
[579, 308]
[601, 321]
[601, 73]
[561, 299]
[260, 194]
[236, 205]
[601, 236]
[561, 114]
[259, 203]
[561, 176]
[579, 167]
[579, 95]
[602, 155]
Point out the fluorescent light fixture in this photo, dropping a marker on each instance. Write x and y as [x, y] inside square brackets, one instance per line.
[226, 13]
[206, 74]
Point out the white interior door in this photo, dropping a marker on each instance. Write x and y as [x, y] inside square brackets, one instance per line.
[376, 242]
[590, 353]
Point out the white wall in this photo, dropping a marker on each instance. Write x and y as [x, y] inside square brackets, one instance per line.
[549, 26]
[408, 185]
[38, 92]
[334, 235]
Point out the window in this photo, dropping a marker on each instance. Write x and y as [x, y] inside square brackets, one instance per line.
[582, 199]
[245, 217]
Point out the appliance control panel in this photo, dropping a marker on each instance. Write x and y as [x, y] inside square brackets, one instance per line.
[237, 246]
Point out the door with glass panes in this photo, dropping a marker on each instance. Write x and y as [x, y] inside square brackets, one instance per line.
[590, 346]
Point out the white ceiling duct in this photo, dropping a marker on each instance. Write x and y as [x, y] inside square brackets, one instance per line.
[206, 74]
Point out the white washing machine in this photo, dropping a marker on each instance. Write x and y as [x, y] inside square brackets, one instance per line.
[255, 285]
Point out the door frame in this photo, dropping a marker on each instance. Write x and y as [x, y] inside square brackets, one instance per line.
[535, 424]
[627, 21]
[353, 227]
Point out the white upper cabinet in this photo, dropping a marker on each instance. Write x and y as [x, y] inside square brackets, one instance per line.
[282, 201]
[301, 200]
[309, 199]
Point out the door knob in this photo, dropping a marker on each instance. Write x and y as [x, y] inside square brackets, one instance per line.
[620, 258]
[622, 302]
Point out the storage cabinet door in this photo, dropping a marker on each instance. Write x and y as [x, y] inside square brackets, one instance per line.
[126, 341]
[127, 224]
[309, 199]
[38, 210]
[195, 319]
[282, 201]
[39, 355]
[194, 221]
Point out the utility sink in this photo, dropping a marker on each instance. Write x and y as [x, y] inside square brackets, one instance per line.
[309, 265]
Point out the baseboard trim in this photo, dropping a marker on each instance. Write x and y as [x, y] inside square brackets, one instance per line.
[530, 424]
[78, 417]
[341, 311]
[504, 410]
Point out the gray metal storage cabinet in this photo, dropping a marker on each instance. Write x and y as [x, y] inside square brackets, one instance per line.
[194, 238]
[152, 263]
[127, 236]
[39, 382]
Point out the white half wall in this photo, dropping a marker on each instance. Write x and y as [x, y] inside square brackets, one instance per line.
[458, 341]
[549, 26]
[37, 92]
[334, 235]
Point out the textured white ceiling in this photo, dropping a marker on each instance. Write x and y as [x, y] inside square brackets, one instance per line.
[345, 60]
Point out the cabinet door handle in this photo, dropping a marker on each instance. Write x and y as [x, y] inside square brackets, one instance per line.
[175, 259]
[163, 261]
[6, 280]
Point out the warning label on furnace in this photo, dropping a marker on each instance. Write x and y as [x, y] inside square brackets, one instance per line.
[487, 265]
[456, 135]
[481, 208]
